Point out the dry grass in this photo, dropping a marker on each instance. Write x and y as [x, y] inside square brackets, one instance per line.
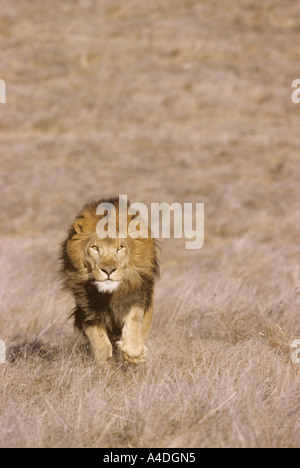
[164, 101]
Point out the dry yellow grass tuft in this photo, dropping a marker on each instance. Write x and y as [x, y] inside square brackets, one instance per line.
[162, 101]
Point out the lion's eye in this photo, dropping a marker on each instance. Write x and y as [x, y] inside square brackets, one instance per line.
[94, 247]
[120, 247]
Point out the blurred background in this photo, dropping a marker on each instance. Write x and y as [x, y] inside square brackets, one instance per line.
[165, 101]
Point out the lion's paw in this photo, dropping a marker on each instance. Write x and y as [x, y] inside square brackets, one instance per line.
[132, 354]
[103, 355]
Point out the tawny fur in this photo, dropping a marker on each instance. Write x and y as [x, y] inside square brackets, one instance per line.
[112, 314]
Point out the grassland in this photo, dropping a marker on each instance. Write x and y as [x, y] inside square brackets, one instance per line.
[171, 100]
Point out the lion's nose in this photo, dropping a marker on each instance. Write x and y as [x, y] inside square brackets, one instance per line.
[108, 271]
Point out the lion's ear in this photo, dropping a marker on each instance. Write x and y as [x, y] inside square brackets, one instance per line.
[79, 225]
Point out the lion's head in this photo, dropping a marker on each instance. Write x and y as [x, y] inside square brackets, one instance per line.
[110, 263]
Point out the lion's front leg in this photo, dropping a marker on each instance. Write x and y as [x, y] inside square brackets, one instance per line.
[132, 343]
[99, 340]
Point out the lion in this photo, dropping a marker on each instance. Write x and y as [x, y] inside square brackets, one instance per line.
[112, 280]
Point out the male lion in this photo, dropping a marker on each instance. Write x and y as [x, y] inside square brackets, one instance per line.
[112, 280]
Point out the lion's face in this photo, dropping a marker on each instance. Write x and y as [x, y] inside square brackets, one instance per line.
[109, 263]
[107, 260]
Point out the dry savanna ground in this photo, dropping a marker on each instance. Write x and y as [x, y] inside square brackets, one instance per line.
[172, 100]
